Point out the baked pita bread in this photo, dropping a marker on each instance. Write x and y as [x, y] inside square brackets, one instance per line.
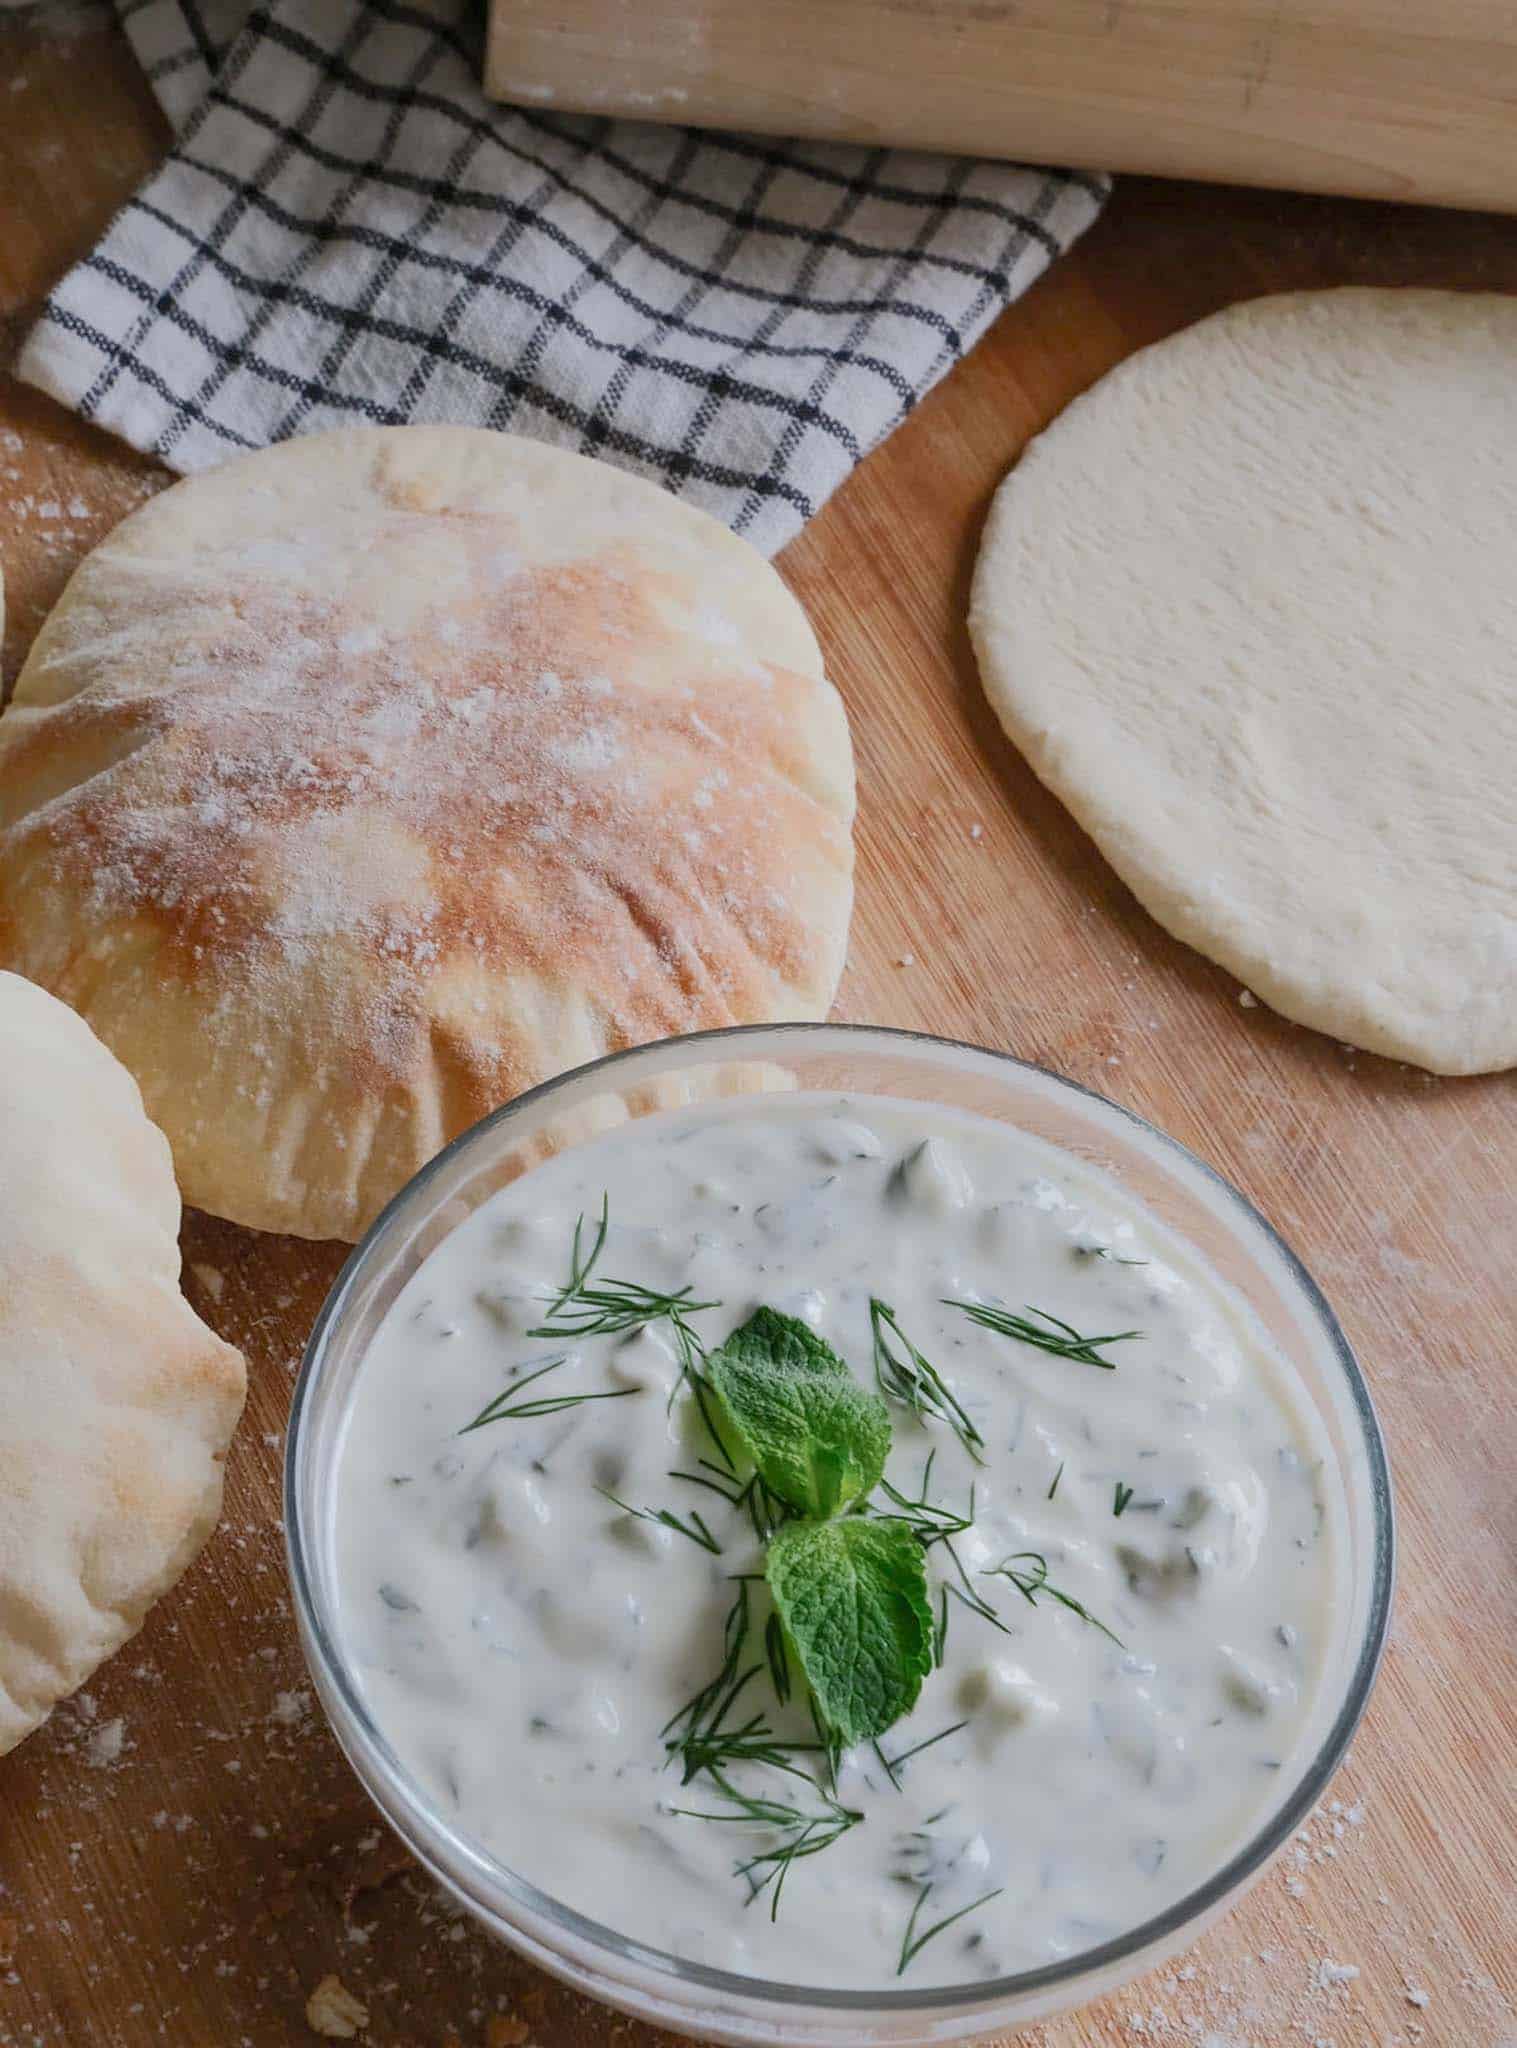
[359, 785]
[116, 1402]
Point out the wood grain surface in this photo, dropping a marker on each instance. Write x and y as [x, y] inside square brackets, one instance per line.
[183, 1852]
[1386, 99]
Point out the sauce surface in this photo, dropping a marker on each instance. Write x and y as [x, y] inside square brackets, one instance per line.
[1137, 1611]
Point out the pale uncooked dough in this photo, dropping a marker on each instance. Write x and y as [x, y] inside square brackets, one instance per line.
[1250, 609]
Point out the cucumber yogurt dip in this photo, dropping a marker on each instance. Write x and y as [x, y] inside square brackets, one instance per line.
[836, 1541]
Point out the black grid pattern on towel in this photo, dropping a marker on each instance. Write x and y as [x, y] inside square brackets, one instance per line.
[347, 231]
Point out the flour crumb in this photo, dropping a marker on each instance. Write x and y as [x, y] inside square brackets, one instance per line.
[1247, 999]
[907, 960]
[1330, 1974]
[977, 831]
[1415, 1995]
[290, 1708]
[210, 1278]
[105, 1744]
[333, 2011]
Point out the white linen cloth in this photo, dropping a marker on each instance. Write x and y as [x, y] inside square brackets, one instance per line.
[346, 231]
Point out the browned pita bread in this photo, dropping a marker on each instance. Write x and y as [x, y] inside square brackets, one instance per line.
[359, 785]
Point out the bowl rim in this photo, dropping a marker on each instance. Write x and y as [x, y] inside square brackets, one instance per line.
[1195, 1906]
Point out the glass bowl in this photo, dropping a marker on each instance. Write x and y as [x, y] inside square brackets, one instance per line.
[1227, 1232]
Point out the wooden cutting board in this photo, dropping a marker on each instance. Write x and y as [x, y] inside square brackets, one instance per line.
[184, 1854]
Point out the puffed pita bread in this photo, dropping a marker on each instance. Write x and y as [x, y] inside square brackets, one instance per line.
[361, 784]
[1249, 607]
[116, 1402]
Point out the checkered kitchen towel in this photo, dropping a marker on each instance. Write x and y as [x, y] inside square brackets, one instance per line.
[347, 230]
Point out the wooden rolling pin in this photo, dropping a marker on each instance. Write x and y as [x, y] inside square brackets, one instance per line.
[1389, 99]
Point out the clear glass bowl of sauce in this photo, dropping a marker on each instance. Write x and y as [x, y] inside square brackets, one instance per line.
[1219, 1229]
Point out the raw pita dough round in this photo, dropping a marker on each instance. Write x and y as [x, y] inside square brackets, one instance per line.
[356, 786]
[1250, 609]
[116, 1402]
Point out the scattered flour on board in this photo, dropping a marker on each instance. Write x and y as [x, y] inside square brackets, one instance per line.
[105, 1743]
[210, 1279]
[333, 2011]
[1329, 1975]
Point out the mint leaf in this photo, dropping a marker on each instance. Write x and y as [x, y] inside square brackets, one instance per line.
[783, 1344]
[853, 1597]
[818, 1439]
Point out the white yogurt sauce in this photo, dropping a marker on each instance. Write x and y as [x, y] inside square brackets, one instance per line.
[523, 1642]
